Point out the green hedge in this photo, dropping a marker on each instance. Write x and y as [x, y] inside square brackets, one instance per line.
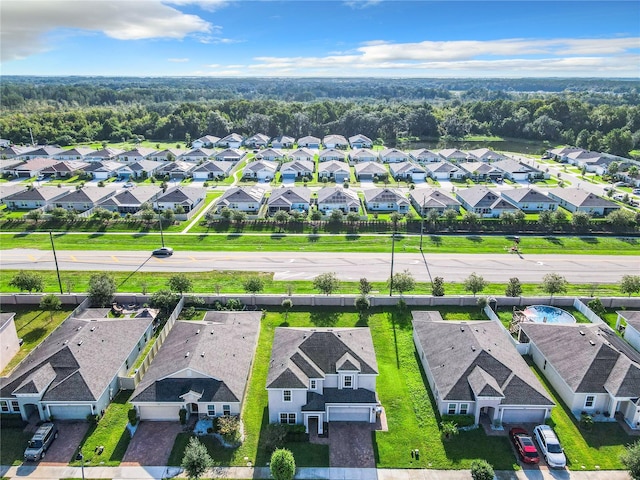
[459, 420]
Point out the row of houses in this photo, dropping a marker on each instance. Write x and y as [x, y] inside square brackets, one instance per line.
[318, 376]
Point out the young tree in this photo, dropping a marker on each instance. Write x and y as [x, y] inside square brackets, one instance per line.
[402, 282]
[196, 460]
[553, 283]
[165, 300]
[361, 303]
[514, 288]
[102, 287]
[437, 287]
[239, 217]
[283, 465]
[631, 459]
[180, 283]
[336, 216]
[253, 284]
[474, 283]
[281, 217]
[50, 303]
[481, 470]
[364, 287]
[35, 215]
[449, 430]
[286, 304]
[327, 283]
[27, 281]
[630, 284]
[482, 302]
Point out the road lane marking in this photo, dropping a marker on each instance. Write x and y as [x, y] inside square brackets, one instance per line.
[114, 258]
[73, 259]
[32, 258]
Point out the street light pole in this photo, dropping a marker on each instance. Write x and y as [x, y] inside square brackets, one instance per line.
[393, 245]
[161, 234]
[55, 259]
[422, 222]
[81, 458]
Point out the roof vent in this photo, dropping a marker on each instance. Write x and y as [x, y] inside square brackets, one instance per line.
[582, 332]
[186, 355]
[93, 328]
[198, 332]
[80, 342]
[211, 332]
[473, 348]
[79, 328]
[202, 354]
[593, 344]
[461, 328]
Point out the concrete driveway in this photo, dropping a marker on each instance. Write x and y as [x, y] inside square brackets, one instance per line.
[152, 443]
[64, 448]
[350, 445]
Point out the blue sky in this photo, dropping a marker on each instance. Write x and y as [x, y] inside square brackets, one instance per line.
[381, 38]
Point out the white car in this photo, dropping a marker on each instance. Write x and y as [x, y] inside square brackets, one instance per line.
[550, 446]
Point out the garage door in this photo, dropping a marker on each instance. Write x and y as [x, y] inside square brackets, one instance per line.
[74, 412]
[289, 177]
[520, 415]
[166, 413]
[349, 414]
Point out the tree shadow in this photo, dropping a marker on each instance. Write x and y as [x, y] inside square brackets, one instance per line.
[630, 241]
[590, 240]
[324, 318]
[34, 335]
[554, 240]
[363, 318]
[474, 238]
[313, 238]
[435, 240]
[278, 236]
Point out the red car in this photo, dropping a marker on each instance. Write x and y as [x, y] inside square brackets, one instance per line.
[524, 445]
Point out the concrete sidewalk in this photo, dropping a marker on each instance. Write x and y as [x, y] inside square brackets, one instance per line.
[37, 472]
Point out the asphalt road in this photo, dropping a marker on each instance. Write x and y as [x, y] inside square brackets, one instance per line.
[348, 266]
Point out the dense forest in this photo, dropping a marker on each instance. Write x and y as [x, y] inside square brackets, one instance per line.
[601, 115]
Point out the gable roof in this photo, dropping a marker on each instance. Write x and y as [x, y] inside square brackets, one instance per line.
[308, 139]
[470, 359]
[359, 138]
[333, 138]
[393, 152]
[299, 354]
[333, 166]
[332, 152]
[406, 167]
[372, 168]
[220, 168]
[7, 190]
[241, 195]
[485, 153]
[232, 137]
[483, 197]
[422, 153]
[511, 166]
[44, 151]
[134, 196]
[581, 198]
[183, 195]
[433, 197]
[35, 164]
[208, 139]
[220, 349]
[138, 152]
[259, 165]
[530, 195]
[385, 195]
[86, 194]
[337, 194]
[363, 153]
[479, 168]
[444, 167]
[289, 195]
[299, 166]
[42, 193]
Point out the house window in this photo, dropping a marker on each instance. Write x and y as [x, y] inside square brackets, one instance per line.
[451, 409]
[4, 406]
[288, 418]
[589, 401]
[286, 395]
[312, 384]
[348, 381]
[464, 408]
[226, 409]
[211, 410]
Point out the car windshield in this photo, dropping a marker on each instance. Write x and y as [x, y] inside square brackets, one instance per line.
[554, 448]
[35, 443]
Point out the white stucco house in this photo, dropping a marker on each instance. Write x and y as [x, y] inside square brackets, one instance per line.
[9, 342]
[322, 375]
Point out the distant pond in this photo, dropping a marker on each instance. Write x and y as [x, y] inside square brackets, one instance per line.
[510, 145]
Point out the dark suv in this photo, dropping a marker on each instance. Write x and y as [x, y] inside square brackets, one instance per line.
[40, 441]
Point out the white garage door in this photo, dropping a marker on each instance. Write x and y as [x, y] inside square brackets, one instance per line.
[71, 412]
[349, 414]
[520, 415]
[165, 413]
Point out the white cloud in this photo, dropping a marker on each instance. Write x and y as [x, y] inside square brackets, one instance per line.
[178, 60]
[359, 4]
[25, 23]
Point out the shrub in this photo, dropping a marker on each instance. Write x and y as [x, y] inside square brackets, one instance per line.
[460, 420]
[362, 303]
[275, 436]
[133, 416]
[449, 430]
[597, 307]
[229, 427]
[183, 416]
[631, 459]
[481, 470]
[283, 465]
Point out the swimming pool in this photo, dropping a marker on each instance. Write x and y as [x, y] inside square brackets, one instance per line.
[548, 314]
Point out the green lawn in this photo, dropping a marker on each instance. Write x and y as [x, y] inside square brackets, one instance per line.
[110, 432]
[32, 325]
[599, 448]
[13, 441]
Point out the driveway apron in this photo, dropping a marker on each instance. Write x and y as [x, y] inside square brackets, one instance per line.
[351, 445]
[152, 443]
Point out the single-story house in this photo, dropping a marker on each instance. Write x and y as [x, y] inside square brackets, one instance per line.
[360, 141]
[338, 198]
[261, 170]
[259, 140]
[197, 155]
[33, 167]
[14, 152]
[453, 155]
[592, 369]
[83, 199]
[516, 171]
[77, 153]
[4, 142]
[330, 154]
[9, 341]
[485, 155]
[208, 141]
[530, 200]
[363, 155]
[335, 141]
[322, 375]
[289, 199]
[591, 161]
[188, 198]
[386, 200]
[309, 142]
[210, 170]
[480, 171]
[166, 155]
[561, 154]
[202, 366]
[244, 199]
[233, 140]
[443, 170]
[230, 155]
[74, 371]
[370, 170]
[177, 169]
[577, 200]
[283, 142]
[103, 155]
[393, 155]
[144, 168]
[407, 171]
[334, 170]
[30, 199]
[104, 170]
[42, 151]
[64, 168]
[423, 155]
[297, 169]
[271, 154]
[131, 200]
[630, 321]
[136, 155]
[484, 201]
[302, 154]
[425, 200]
[9, 189]
[472, 368]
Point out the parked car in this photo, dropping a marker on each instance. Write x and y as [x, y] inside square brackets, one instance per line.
[636, 191]
[128, 185]
[619, 197]
[550, 446]
[525, 447]
[162, 252]
[40, 442]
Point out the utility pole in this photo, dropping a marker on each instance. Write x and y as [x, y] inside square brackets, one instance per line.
[422, 222]
[55, 259]
[393, 245]
[161, 234]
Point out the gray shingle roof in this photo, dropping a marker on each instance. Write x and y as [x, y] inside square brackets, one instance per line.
[182, 195]
[385, 195]
[241, 195]
[370, 168]
[631, 317]
[220, 349]
[317, 402]
[289, 195]
[432, 197]
[333, 166]
[581, 198]
[483, 197]
[42, 193]
[468, 357]
[337, 195]
[528, 195]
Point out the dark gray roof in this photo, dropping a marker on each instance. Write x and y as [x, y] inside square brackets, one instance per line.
[261, 165]
[511, 166]
[219, 350]
[87, 194]
[289, 195]
[182, 195]
[316, 402]
[385, 195]
[241, 195]
[337, 194]
[530, 195]
[218, 167]
[371, 168]
[588, 357]
[41, 193]
[427, 196]
[477, 357]
[134, 196]
[581, 198]
[78, 360]
[299, 354]
[632, 317]
[483, 197]
[303, 166]
[441, 167]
